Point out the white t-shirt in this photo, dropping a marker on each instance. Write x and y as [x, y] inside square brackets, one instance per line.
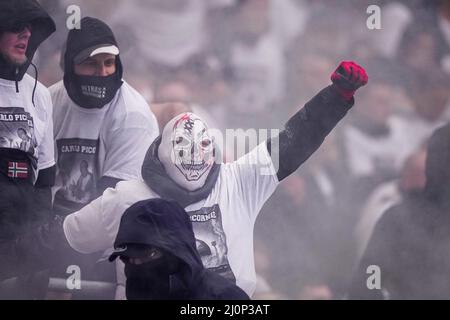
[111, 141]
[223, 222]
[25, 126]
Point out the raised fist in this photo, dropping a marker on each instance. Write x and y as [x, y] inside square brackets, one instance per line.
[347, 78]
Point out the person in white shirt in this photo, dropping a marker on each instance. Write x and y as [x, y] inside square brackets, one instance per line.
[99, 119]
[102, 128]
[222, 200]
[27, 161]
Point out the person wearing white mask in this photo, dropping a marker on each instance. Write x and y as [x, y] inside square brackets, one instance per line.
[222, 200]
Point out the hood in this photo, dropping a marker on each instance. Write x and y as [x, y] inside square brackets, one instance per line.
[165, 225]
[93, 32]
[437, 188]
[158, 180]
[13, 11]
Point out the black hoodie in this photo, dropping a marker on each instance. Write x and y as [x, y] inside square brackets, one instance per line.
[93, 32]
[16, 11]
[165, 225]
[23, 206]
[411, 241]
[13, 12]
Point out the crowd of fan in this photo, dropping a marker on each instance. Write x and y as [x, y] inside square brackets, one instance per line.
[251, 64]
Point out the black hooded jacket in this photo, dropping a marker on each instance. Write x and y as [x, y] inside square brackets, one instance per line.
[165, 225]
[411, 241]
[93, 32]
[14, 11]
[23, 206]
[42, 25]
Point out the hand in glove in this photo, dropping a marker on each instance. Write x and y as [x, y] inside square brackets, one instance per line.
[347, 78]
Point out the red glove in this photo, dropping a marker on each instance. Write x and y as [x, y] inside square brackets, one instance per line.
[347, 78]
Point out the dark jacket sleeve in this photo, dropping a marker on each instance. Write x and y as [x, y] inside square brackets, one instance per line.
[43, 192]
[33, 250]
[215, 287]
[306, 130]
[380, 252]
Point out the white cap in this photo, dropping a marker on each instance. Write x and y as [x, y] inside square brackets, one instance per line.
[94, 50]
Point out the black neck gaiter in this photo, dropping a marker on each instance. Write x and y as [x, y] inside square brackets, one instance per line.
[92, 91]
[151, 280]
[156, 177]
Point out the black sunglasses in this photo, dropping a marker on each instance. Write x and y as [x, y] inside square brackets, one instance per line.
[19, 27]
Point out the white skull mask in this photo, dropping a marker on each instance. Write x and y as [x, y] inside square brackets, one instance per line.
[187, 151]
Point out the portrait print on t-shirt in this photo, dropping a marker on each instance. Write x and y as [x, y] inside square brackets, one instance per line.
[211, 240]
[77, 166]
[17, 131]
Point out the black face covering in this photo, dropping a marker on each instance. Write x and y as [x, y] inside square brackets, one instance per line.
[90, 91]
[93, 91]
[151, 280]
